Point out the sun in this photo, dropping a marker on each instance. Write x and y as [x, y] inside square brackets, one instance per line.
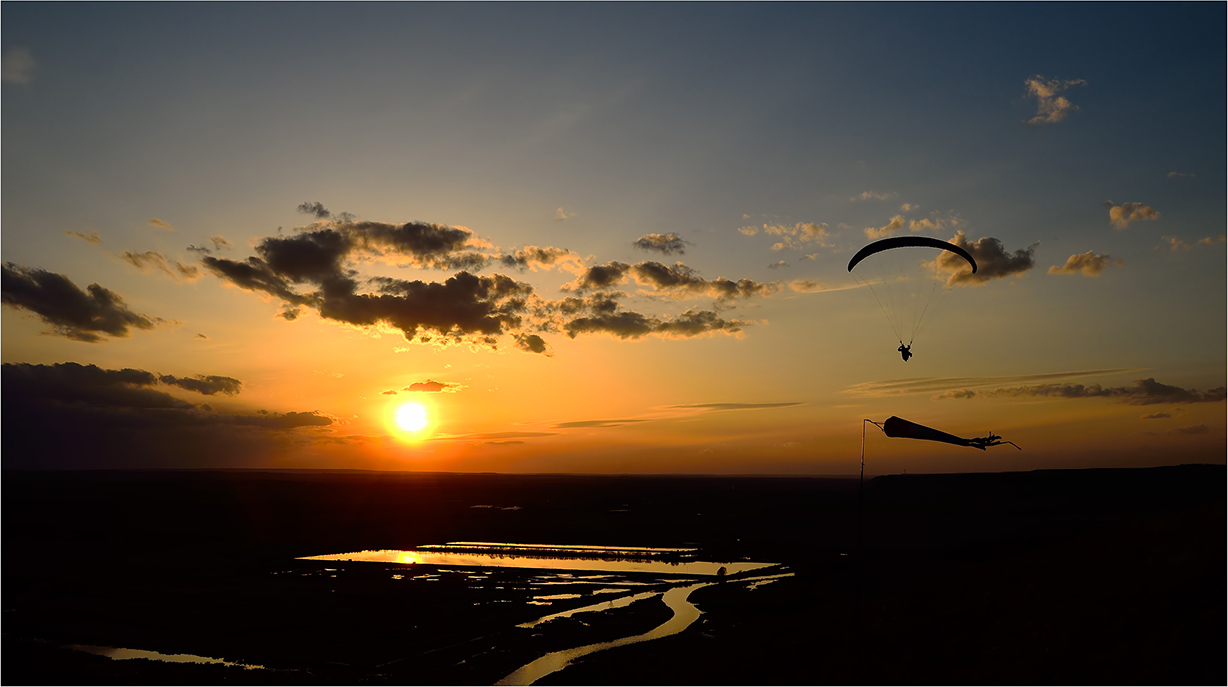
[411, 417]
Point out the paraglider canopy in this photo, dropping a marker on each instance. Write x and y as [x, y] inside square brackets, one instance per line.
[902, 241]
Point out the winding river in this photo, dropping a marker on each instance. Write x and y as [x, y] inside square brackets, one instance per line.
[685, 613]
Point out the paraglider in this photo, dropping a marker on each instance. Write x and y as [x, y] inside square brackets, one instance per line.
[903, 284]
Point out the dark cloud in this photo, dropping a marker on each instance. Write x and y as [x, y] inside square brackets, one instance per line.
[1144, 392]
[736, 406]
[993, 261]
[534, 256]
[157, 223]
[665, 244]
[390, 392]
[254, 275]
[601, 313]
[205, 384]
[73, 415]
[201, 336]
[532, 343]
[1195, 429]
[91, 237]
[315, 209]
[220, 242]
[153, 260]
[76, 314]
[1156, 416]
[202, 250]
[677, 278]
[428, 245]
[430, 385]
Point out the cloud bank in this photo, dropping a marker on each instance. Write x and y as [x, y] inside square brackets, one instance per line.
[78, 315]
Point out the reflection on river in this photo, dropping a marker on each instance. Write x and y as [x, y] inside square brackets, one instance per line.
[604, 559]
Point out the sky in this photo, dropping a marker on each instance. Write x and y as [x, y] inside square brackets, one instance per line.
[611, 238]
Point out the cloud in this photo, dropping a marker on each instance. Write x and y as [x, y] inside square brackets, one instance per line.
[91, 237]
[918, 385]
[431, 385]
[205, 384]
[600, 313]
[888, 229]
[73, 313]
[777, 265]
[533, 257]
[1195, 429]
[159, 224]
[390, 392]
[681, 280]
[874, 195]
[1174, 244]
[1088, 264]
[600, 424]
[17, 66]
[1120, 216]
[1156, 416]
[201, 336]
[811, 286]
[73, 415]
[908, 207]
[665, 244]
[315, 209]
[220, 242]
[1050, 106]
[748, 230]
[992, 260]
[1180, 175]
[1144, 392]
[796, 236]
[151, 260]
[532, 343]
[735, 406]
[561, 215]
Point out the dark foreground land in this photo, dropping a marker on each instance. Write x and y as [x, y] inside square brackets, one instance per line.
[1069, 577]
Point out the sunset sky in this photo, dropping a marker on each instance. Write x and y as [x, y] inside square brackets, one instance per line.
[608, 237]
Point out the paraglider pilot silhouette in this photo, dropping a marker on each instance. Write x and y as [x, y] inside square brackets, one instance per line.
[903, 285]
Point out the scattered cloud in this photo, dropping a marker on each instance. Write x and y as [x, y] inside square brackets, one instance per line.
[1156, 416]
[534, 257]
[390, 392]
[797, 236]
[72, 313]
[811, 286]
[735, 406]
[561, 215]
[1051, 107]
[151, 260]
[1181, 175]
[665, 244]
[91, 237]
[17, 66]
[874, 195]
[909, 207]
[201, 336]
[888, 229]
[920, 385]
[1088, 264]
[677, 279]
[579, 424]
[532, 343]
[748, 230]
[159, 224]
[315, 209]
[777, 265]
[1174, 244]
[993, 261]
[1120, 216]
[1144, 392]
